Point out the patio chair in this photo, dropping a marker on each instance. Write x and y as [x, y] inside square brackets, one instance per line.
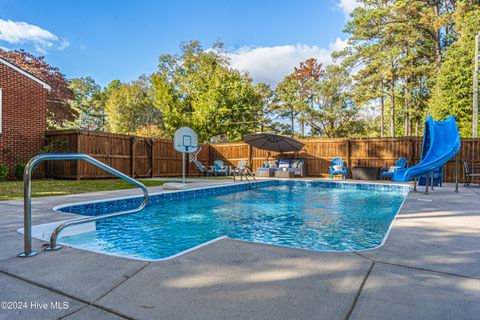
[338, 167]
[388, 172]
[242, 164]
[242, 170]
[469, 173]
[218, 168]
[202, 168]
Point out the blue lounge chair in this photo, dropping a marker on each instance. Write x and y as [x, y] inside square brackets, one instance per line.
[203, 170]
[399, 164]
[338, 162]
[218, 168]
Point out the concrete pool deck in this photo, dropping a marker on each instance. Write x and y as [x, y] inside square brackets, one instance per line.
[429, 268]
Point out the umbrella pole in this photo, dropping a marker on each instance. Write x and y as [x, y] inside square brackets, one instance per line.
[251, 157]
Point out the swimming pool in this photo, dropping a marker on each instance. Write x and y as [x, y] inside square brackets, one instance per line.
[317, 215]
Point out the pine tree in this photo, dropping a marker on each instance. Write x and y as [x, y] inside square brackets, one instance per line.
[453, 91]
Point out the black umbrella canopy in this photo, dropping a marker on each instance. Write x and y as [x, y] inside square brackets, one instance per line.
[273, 142]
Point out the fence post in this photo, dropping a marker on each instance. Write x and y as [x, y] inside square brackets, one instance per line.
[210, 155]
[79, 163]
[132, 157]
[349, 154]
[152, 158]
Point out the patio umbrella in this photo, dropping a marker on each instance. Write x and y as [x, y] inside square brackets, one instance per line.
[272, 142]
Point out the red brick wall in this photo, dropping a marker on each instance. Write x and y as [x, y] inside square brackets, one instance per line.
[24, 117]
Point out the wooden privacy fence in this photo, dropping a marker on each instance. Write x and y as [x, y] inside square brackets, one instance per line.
[142, 157]
[134, 156]
[369, 152]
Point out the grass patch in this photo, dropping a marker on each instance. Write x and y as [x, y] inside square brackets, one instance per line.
[13, 190]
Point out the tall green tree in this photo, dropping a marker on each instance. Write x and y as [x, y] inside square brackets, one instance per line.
[129, 107]
[87, 100]
[198, 88]
[267, 105]
[453, 91]
[372, 49]
[334, 114]
[290, 104]
[398, 45]
[308, 73]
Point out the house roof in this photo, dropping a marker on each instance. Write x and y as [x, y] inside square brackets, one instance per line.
[25, 73]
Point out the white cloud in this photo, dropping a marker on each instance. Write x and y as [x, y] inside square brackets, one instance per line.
[64, 44]
[347, 6]
[338, 45]
[271, 64]
[19, 32]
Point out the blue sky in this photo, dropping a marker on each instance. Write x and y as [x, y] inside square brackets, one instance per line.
[123, 39]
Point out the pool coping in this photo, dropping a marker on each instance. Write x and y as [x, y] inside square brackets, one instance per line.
[194, 248]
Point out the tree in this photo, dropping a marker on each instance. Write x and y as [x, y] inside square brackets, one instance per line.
[398, 45]
[199, 89]
[151, 131]
[334, 114]
[267, 105]
[88, 102]
[60, 114]
[289, 104]
[372, 48]
[308, 73]
[130, 107]
[452, 93]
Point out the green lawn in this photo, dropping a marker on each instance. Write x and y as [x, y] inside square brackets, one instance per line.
[13, 190]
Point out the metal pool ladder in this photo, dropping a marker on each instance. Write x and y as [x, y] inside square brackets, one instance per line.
[244, 171]
[27, 199]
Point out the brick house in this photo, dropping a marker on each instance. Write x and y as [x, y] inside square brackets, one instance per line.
[23, 114]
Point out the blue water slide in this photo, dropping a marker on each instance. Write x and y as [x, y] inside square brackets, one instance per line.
[441, 142]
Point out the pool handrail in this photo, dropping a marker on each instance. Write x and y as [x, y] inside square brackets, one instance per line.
[240, 169]
[27, 198]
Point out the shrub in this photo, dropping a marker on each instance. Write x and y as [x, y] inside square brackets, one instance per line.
[3, 172]
[151, 131]
[19, 171]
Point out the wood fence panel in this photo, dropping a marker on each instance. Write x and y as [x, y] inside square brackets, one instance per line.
[114, 150]
[319, 153]
[158, 158]
[370, 152]
[143, 150]
[131, 155]
[62, 142]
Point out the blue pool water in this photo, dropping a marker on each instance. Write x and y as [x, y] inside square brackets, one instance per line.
[296, 215]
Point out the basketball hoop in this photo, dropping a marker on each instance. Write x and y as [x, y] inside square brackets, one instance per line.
[185, 141]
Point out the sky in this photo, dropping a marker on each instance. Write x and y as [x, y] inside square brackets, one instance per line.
[123, 39]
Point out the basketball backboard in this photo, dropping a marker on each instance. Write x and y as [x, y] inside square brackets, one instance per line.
[185, 140]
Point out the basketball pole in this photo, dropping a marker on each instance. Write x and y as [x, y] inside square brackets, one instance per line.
[183, 167]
